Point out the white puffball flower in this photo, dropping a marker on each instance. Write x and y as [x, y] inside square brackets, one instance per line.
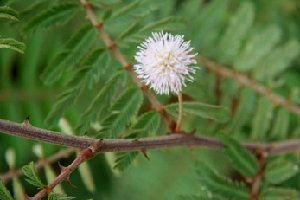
[163, 62]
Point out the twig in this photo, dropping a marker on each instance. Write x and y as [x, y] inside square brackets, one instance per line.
[262, 157]
[83, 156]
[127, 65]
[242, 79]
[25, 130]
[41, 163]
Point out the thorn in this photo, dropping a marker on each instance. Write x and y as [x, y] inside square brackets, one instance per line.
[68, 181]
[145, 154]
[26, 121]
[62, 168]
[135, 140]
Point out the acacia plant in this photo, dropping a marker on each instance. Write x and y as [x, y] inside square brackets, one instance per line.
[173, 99]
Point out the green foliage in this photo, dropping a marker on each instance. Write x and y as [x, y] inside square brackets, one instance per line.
[236, 30]
[169, 23]
[10, 43]
[56, 14]
[244, 112]
[123, 11]
[199, 196]
[148, 122]
[4, 193]
[240, 158]
[262, 118]
[55, 196]
[104, 98]
[124, 108]
[7, 12]
[29, 171]
[131, 29]
[258, 45]
[279, 171]
[279, 194]
[220, 185]
[72, 52]
[124, 159]
[203, 110]
[280, 129]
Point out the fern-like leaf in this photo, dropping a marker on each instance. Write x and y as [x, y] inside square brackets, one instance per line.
[279, 194]
[125, 10]
[74, 49]
[10, 43]
[206, 111]
[169, 23]
[240, 158]
[4, 192]
[238, 26]
[124, 159]
[245, 110]
[131, 29]
[124, 108]
[29, 171]
[56, 14]
[280, 170]
[220, 185]
[7, 12]
[55, 196]
[103, 99]
[148, 122]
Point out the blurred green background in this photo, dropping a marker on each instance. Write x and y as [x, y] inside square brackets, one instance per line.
[170, 172]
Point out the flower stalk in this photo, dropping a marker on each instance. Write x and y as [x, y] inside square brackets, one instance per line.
[179, 121]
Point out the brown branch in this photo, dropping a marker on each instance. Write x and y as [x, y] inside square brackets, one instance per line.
[127, 65]
[38, 165]
[242, 79]
[262, 157]
[25, 130]
[83, 156]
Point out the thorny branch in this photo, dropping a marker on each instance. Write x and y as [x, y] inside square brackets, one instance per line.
[84, 155]
[28, 131]
[127, 65]
[41, 163]
[242, 79]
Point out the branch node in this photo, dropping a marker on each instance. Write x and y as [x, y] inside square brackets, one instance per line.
[144, 87]
[99, 25]
[112, 45]
[95, 146]
[145, 154]
[128, 66]
[87, 5]
[45, 187]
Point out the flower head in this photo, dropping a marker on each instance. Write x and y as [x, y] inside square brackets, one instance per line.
[163, 62]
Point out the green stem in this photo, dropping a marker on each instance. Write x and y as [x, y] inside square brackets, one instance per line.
[179, 121]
